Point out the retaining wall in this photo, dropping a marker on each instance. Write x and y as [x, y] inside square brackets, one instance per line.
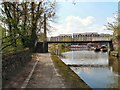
[12, 63]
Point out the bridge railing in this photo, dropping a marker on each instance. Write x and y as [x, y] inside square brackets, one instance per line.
[98, 39]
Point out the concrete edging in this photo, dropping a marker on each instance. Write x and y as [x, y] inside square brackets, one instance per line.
[25, 83]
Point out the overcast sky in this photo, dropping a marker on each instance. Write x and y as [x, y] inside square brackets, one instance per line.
[83, 17]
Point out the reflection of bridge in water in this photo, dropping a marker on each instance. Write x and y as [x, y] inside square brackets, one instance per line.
[80, 48]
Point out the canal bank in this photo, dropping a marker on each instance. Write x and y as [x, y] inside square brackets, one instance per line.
[70, 78]
[114, 53]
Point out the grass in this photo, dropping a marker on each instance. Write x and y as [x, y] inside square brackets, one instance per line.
[64, 50]
[71, 80]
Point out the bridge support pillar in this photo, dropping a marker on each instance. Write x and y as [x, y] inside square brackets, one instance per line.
[41, 47]
[38, 48]
[111, 46]
[45, 47]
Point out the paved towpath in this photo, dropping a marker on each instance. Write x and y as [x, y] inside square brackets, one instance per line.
[42, 74]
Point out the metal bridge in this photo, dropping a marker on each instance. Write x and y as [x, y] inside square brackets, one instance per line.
[43, 46]
[105, 41]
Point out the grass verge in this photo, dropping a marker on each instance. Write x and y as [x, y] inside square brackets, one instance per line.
[64, 50]
[71, 79]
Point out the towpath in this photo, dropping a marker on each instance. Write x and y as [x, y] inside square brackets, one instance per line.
[38, 73]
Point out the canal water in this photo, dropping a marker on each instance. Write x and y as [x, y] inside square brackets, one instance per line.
[96, 69]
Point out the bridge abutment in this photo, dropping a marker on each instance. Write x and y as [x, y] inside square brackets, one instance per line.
[45, 47]
[41, 47]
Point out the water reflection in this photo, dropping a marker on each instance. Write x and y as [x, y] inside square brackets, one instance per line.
[96, 69]
[80, 57]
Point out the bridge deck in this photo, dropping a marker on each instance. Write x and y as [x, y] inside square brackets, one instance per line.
[78, 41]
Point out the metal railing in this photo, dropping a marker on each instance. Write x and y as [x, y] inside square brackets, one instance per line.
[76, 39]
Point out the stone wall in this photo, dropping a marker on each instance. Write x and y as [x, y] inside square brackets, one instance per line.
[12, 63]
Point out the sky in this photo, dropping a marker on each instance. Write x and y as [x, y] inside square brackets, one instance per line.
[83, 17]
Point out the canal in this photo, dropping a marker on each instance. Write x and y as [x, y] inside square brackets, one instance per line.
[96, 69]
